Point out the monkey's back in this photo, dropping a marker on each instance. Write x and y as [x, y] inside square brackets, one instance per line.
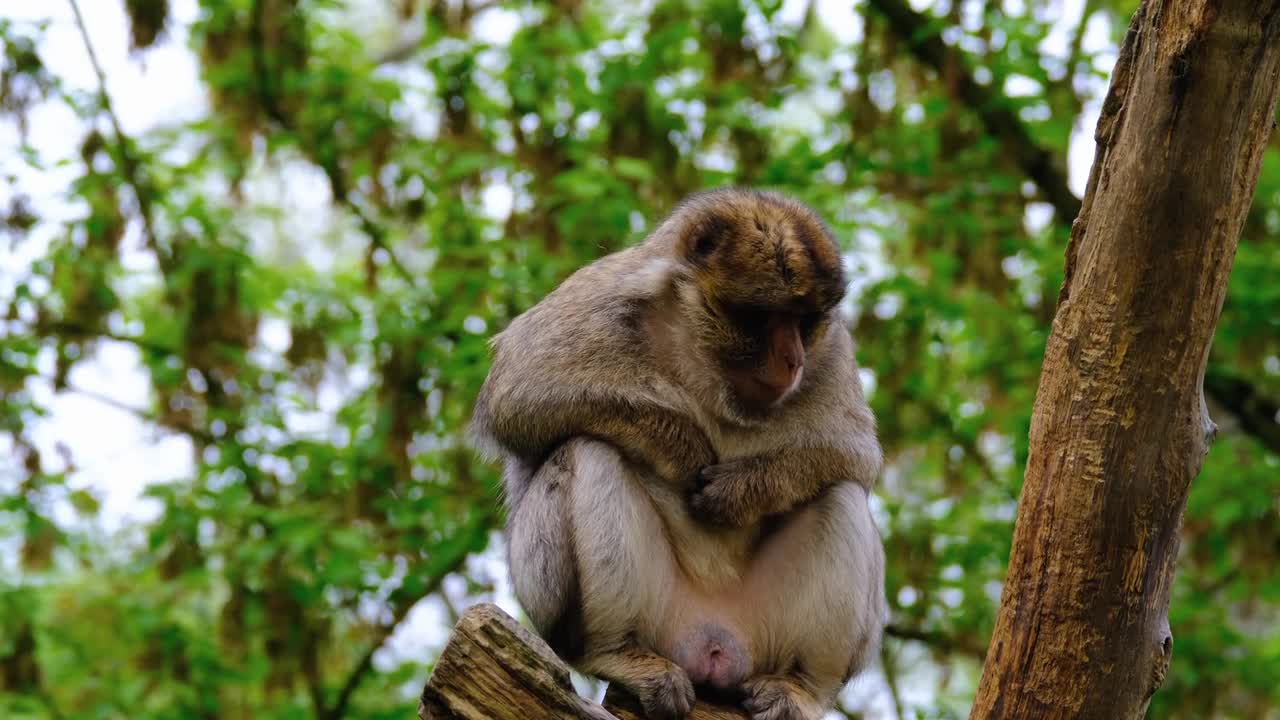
[587, 333]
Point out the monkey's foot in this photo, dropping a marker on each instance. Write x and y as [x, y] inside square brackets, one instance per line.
[666, 695]
[780, 697]
[662, 687]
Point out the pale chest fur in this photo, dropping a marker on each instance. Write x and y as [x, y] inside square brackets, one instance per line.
[734, 442]
[714, 557]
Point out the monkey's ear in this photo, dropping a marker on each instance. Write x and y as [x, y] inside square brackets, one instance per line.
[703, 236]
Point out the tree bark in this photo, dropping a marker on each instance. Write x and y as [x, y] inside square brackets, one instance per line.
[1256, 412]
[494, 669]
[1120, 426]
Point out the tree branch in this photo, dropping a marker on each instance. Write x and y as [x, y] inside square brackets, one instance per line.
[938, 641]
[403, 599]
[992, 108]
[77, 331]
[1259, 415]
[1235, 395]
[409, 44]
[891, 681]
[493, 668]
[1119, 430]
[329, 165]
[129, 164]
[1076, 52]
[145, 416]
[376, 233]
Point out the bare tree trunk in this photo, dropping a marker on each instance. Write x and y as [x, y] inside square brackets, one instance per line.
[1120, 426]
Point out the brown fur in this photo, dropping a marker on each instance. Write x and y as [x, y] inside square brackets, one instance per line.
[624, 347]
[646, 351]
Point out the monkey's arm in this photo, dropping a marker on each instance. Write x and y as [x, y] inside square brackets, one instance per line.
[741, 492]
[828, 438]
[644, 432]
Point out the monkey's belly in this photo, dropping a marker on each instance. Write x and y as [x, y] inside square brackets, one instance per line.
[701, 622]
[724, 606]
[806, 595]
[712, 625]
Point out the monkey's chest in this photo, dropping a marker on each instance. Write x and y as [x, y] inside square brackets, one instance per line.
[710, 557]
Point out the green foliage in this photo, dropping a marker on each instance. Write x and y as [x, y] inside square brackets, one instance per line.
[320, 352]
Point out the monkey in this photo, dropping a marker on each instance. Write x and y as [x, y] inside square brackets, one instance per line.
[687, 461]
[618, 352]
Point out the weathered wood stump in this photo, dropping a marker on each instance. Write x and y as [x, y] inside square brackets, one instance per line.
[494, 669]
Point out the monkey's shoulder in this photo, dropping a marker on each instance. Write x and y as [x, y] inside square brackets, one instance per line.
[601, 286]
[635, 273]
[592, 321]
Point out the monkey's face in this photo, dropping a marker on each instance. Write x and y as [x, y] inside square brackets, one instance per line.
[769, 276]
[763, 352]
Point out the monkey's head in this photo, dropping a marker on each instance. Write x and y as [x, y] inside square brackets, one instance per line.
[761, 282]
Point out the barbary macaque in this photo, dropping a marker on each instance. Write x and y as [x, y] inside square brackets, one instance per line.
[688, 455]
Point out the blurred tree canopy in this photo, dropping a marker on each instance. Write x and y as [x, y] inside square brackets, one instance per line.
[307, 274]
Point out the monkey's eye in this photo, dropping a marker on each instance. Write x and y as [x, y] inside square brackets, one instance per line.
[747, 316]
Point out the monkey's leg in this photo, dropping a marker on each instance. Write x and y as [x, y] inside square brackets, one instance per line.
[819, 586]
[540, 554]
[664, 690]
[626, 573]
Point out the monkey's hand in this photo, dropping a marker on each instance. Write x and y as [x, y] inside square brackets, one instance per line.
[728, 494]
[740, 492]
